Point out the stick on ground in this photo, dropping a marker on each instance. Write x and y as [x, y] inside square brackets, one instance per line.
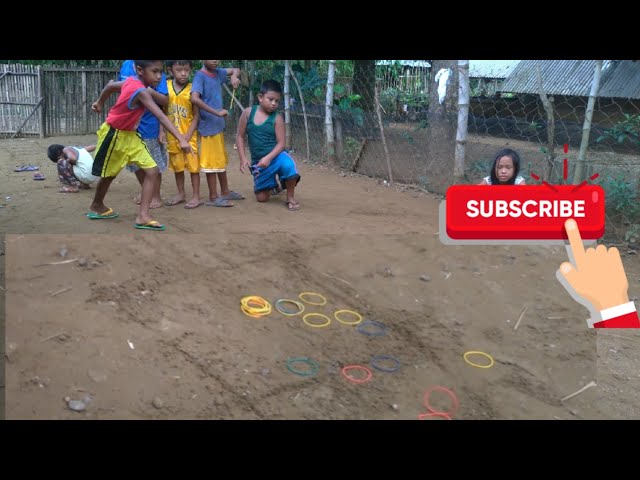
[61, 291]
[586, 387]
[58, 263]
[52, 336]
[521, 315]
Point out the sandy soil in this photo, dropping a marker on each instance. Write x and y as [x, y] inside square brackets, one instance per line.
[328, 201]
[149, 324]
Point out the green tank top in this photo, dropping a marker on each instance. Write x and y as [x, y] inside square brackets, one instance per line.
[262, 138]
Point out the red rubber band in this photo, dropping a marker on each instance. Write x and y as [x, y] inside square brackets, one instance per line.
[424, 416]
[452, 396]
[356, 367]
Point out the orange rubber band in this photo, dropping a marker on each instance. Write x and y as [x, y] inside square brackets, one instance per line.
[452, 396]
[356, 367]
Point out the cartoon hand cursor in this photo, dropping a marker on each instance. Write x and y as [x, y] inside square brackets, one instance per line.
[596, 279]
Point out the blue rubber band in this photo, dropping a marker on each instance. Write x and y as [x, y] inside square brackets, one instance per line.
[303, 373]
[283, 310]
[362, 328]
[379, 358]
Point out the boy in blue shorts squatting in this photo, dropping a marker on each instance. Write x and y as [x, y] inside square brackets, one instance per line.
[264, 127]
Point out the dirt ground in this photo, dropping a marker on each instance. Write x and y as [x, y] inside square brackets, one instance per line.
[327, 200]
[148, 325]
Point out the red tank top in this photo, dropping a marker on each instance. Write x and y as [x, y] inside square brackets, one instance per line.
[121, 115]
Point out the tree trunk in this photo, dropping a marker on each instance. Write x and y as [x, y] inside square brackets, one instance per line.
[251, 71]
[287, 103]
[463, 121]
[442, 122]
[364, 83]
[384, 140]
[337, 122]
[586, 129]
[547, 168]
[304, 113]
[328, 119]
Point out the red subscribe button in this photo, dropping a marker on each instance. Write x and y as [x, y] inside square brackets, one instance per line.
[523, 212]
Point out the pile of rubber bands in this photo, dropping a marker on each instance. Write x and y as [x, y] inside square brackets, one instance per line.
[255, 306]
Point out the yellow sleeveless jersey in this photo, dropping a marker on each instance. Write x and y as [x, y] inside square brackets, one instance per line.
[180, 112]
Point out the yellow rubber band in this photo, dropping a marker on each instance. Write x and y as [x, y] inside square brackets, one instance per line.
[314, 325]
[351, 312]
[289, 314]
[254, 306]
[486, 355]
[324, 300]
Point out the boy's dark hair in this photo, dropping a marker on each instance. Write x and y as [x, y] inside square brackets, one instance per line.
[171, 63]
[506, 152]
[145, 63]
[270, 86]
[54, 151]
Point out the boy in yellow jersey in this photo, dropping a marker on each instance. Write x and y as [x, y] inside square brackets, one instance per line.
[185, 117]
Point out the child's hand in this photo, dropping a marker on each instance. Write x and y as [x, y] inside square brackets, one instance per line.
[185, 146]
[243, 165]
[162, 137]
[96, 107]
[223, 113]
[263, 163]
[235, 81]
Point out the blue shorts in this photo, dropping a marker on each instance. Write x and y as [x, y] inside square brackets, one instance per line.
[283, 165]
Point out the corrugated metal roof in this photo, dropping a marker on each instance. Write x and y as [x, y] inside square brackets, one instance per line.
[491, 68]
[405, 63]
[620, 78]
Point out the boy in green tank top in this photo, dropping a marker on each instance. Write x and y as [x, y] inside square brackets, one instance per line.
[265, 130]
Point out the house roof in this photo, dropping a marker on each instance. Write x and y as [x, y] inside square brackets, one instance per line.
[620, 78]
[491, 68]
[405, 63]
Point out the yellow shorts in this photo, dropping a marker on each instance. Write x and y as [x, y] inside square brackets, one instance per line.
[179, 161]
[117, 148]
[213, 156]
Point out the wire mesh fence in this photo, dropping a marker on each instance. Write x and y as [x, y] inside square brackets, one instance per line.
[387, 120]
[394, 135]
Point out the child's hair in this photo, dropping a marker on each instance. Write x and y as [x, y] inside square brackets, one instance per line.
[145, 63]
[270, 86]
[506, 152]
[54, 151]
[171, 63]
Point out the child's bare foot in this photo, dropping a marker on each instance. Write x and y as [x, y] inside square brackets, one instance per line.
[68, 189]
[193, 203]
[175, 201]
[156, 203]
[292, 204]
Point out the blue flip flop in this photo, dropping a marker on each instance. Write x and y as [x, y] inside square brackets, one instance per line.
[233, 196]
[219, 202]
[26, 168]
